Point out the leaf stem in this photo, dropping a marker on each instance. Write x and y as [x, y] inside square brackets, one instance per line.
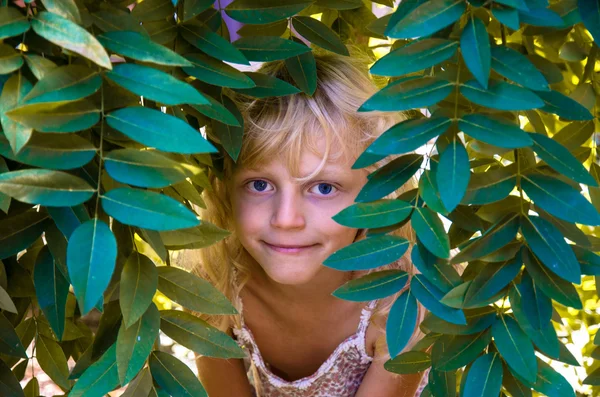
[100, 151]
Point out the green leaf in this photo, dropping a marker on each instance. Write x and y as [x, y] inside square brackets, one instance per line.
[368, 253]
[155, 85]
[52, 289]
[174, 376]
[453, 174]
[17, 232]
[52, 360]
[477, 320]
[45, 187]
[541, 16]
[484, 377]
[490, 186]
[415, 56]
[39, 65]
[430, 230]
[563, 106]
[494, 131]
[409, 94]
[152, 10]
[269, 48]
[548, 382]
[549, 245]
[197, 335]
[444, 277]
[427, 18]
[117, 19]
[215, 110]
[264, 11]
[267, 86]
[192, 292]
[230, 135]
[57, 116]
[303, 69]
[10, 60]
[148, 210]
[141, 385]
[491, 280]
[9, 340]
[65, 83]
[409, 135]
[494, 238]
[54, 151]
[590, 16]
[9, 384]
[191, 8]
[13, 92]
[501, 95]
[508, 17]
[451, 352]
[475, 49]
[517, 67]
[401, 323]
[134, 343]
[320, 34]
[100, 378]
[32, 389]
[575, 134]
[147, 168]
[560, 199]
[375, 285]
[515, 348]
[139, 280]
[69, 35]
[374, 215]
[65, 8]
[12, 23]
[91, 258]
[6, 302]
[134, 45]
[590, 262]
[390, 177]
[153, 128]
[409, 362]
[201, 37]
[216, 72]
[442, 383]
[538, 307]
[430, 296]
[556, 288]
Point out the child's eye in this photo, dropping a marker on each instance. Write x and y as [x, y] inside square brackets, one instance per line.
[325, 189]
[258, 185]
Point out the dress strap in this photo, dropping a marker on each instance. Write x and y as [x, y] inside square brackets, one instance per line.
[365, 316]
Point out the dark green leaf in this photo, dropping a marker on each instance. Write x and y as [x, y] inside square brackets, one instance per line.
[409, 94]
[65, 83]
[390, 177]
[375, 285]
[515, 347]
[152, 10]
[429, 296]
[590, 16]
[141, 385]
[201, 37]
[491, 280]
[409, 135]
[10, 60]
[451, 352]
[12, 22]
[52, 360]
[192, 291]
[508, 17]
[494, 130]
[9, 340]
[453, 174]
[430, 230]
[160, 130]
[320, 34]
[415, 56]
[216, 72]
[45, 187]
[56, 116]
[197, 335]
[100, 378]
[515, 66]
[155, 85]
[174, 376]
[443, 276]
[563, 106]
[134, 343]
[71, 36]
[264, 11]
[139, 280]
[368, 253]
[549, 245]
[13, 92]
[409, 362]
[373, 215]
[401, 323]
[91, 258]
[52, 289]
[135, 45]
[267, 86]
[427, 18]
[501, 95]
[484, 377]
[17, 232]
[559, 158]
[303, 69]
[475, 49]
[215, 110]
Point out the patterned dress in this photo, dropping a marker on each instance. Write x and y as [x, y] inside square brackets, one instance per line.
[339, 376]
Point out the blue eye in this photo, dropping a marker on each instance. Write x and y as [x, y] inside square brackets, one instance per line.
[259, 185]
[325, 189]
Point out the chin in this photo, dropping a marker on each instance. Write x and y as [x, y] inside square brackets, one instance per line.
[290, 276]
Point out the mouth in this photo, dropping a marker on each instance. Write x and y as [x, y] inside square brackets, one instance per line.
[289, 249]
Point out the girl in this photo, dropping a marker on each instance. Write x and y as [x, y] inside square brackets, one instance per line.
[293, 174]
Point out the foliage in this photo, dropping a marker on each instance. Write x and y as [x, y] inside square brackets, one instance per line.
[101, 109]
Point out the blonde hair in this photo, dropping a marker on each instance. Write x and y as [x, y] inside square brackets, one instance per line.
[278, 126]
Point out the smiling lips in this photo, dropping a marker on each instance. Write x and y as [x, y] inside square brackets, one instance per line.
[289, 249]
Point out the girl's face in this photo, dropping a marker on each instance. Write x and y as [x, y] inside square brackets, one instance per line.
[286, 226]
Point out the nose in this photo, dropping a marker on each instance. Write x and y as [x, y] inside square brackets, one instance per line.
[288, 211]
